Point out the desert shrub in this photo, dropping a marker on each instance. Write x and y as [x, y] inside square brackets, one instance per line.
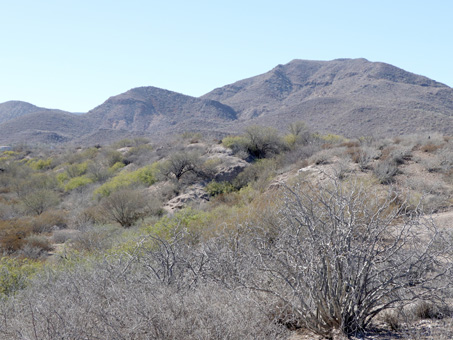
[76, 170]
[392, 319]
[257, 141]
[126, 142]
[77, 182]
[115, 167]
[126, 206]
[263, 142]
[110, 157]
[327, 156]
[299, 134]
[236, 143]
[183, 164]
[48, 221]
[15, 274]
[140, 154]
[342, 254]
[363, 155]
[146, 176]
[36, 192]
[35, 246]
[98, 172]
[385, 171]
[258, 174]
[61, 236]
[429, 310]
[430, 147]
[12, 235]
[40, 164]
[95, 238]
[40, 200]
[298, 155]
[332, 138]
[72, 305]
[217, 188]
[192, 137]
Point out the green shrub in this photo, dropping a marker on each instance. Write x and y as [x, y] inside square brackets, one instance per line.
[40, 164]
[217, 188]
[235, 143]
[77, 182]
[15, 273]
[116, 166]
[77, 170]
[146, 175]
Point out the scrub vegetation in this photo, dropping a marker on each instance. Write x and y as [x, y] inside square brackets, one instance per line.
[262, 235]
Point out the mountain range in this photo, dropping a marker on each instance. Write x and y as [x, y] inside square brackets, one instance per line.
[352, 97]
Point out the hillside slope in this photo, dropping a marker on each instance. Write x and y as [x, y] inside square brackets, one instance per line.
[14, 109]
[45, 126]
[351, 97]
[347, 96]
[158, 111]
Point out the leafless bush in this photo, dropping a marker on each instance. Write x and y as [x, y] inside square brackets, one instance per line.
[95, 238]
[363, 156]
[343, 254]
[61, 236]
[385, 171]
[118, 298]
[181, 165]
[126, 206]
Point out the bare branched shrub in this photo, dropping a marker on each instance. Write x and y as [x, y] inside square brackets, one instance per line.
[183, 164]
[119, 298]
[363, 156]
[385, 171]
[343, 254]
[126, 206]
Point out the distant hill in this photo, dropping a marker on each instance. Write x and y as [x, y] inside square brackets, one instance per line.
[348, 96]
[14, 109]
[159, 111]
[44, 126]
[352, 97]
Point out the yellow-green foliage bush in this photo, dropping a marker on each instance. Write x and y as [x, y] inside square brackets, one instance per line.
[9, 154]
[76, 170]
[40, 164]
[62, 177]
[192, 220]
[234, 142]
[15, 274]
[146, 175]
[77, 182]
[115, 167]
[290, 139]
[217, 188]
[332, 139]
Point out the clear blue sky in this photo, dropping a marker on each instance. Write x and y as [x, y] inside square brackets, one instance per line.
[73, 55]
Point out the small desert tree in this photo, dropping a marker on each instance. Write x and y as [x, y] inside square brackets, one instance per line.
[182, 164]
[125, 206]
[262, 142]
[342, 254]
[298, 133]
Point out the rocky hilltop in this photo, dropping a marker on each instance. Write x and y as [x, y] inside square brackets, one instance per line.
[347, 96]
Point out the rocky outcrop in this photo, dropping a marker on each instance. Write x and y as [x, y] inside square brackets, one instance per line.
[228, 166]
[194, 194]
